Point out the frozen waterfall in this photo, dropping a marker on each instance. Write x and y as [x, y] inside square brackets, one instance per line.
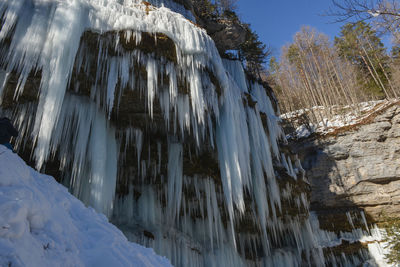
[149, 125]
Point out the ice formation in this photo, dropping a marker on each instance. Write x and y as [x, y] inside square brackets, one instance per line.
[128, 124]
[373, 238]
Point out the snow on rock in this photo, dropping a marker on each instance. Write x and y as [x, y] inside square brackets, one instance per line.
[346, 116]
[41, 224]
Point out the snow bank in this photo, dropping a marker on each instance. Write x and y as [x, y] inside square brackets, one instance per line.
[41, 224]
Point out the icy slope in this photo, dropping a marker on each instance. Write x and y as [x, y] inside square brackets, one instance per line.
[41, 224]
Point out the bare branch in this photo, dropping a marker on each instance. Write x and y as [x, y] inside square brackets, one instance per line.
[384, 14]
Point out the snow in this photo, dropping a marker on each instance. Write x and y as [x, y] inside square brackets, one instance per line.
[374, 13]
[41, 224]
[352, 115]
[304, 131]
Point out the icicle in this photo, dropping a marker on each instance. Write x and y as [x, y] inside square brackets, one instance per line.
[175, 177]
[364, 220]
[291, 170]
[350, 219]
[173, 85]
[235, 69]
[264, 105]
[57, 61]
[103, 166]
[139, 145]
[3, 81]
[152, 78]
[112, 82]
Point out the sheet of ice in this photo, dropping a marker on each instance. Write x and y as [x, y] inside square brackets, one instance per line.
[41, 224]
[92, 153]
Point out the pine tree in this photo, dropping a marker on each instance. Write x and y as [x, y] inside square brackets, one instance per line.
[359, 44]
[205, 9]
[253, 53]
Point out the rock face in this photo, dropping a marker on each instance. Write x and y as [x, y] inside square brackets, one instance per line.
[227, 34]
[357, 169]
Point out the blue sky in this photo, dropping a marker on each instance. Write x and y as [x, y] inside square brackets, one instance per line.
[276, 21]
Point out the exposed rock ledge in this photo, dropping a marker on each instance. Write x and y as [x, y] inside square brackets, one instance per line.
[356, 169]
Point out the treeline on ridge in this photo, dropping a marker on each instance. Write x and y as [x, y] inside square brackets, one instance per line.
[325, 78]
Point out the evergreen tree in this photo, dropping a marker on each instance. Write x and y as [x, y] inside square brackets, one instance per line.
[253, 53]
[205, 9]
[359, 44]
[273, 74]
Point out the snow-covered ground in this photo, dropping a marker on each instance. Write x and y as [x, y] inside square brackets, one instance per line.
[343, 118]
[41, 224]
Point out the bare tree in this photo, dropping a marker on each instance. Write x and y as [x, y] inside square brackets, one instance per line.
[385, 14]
[311, 74]
[385, 17]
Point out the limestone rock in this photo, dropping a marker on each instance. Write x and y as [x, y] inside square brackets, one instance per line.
[359, 168]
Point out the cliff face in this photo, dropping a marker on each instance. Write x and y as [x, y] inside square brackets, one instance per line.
[356, 168]
[354, 173]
